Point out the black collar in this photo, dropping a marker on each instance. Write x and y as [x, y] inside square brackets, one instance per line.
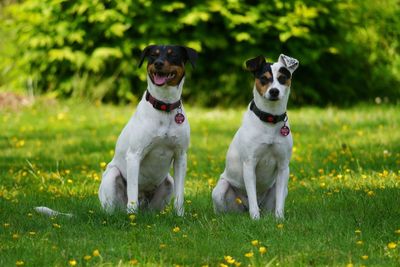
[160, 105]
[266, 117]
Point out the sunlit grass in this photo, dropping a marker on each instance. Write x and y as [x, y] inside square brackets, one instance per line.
[342, 208]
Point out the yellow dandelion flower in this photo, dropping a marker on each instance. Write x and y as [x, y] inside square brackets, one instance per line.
[70, 181]
[211, 182]
[20, 143]
[229, 259]
[60, 116]
[359, 242]
[392, 245]
[72, 262]
[133, 261]
[238, 200]
[19, 263]
[132, 217]
[349, 265]
[397, 231]
[96, 253]
[55, 225]
[176, 229]
[364, 257]
[237, 264]
[357, 231]
[6, 225]
[249, 254]
[162, 245]
[87, 257]
[223, 265]
[103, 164]
[32, 233]
[262, 250]
[15, 236]
[255, 242]
[280, 226]
[370, 193]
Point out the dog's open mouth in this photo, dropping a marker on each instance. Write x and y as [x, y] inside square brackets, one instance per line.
[161, 78]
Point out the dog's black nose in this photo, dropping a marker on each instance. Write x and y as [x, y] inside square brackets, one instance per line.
[158, 64]
[273, 92]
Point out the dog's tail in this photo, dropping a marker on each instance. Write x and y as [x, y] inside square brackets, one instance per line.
[51, 213]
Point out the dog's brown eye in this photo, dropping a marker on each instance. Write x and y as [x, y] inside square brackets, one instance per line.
[282, 79]
[263, 80]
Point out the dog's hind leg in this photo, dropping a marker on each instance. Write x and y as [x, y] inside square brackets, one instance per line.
[218, 195]
[112, 190]
[226, 199]
[163, 194]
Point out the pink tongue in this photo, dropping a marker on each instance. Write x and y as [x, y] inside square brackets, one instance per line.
[159, 80]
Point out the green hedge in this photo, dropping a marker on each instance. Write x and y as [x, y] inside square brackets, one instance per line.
[348, 50]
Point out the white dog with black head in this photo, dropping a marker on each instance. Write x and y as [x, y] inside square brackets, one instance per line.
[257, 163]
[155, 138]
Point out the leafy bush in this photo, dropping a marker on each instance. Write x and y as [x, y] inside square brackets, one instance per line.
[348, 50]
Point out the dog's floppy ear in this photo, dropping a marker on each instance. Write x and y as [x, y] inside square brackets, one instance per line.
[289, 62]
[255, 64]
[191, 55]
[144, 54]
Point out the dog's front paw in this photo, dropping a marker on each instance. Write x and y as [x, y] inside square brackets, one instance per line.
[255, 215]
[178, 206]
[131, 208]
[279, 214]
[180, 212]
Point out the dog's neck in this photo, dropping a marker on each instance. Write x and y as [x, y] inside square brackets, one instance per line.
[165, 93]
[273, 107]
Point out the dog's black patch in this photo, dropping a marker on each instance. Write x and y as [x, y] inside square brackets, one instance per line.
[260, 74]
[174, 54]
[284, 75]
[258, 66]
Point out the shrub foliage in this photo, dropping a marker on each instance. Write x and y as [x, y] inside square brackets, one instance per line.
[348, 49]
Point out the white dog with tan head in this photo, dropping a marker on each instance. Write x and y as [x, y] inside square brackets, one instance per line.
[257, 163]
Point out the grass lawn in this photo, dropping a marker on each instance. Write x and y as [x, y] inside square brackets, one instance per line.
[343, 205]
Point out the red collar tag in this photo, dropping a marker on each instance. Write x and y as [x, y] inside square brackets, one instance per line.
[179, 118]
[285, 131]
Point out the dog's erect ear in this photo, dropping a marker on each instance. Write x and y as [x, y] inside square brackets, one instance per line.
[255, 64]
[144, 54]
[289, 62]
[191, 55]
